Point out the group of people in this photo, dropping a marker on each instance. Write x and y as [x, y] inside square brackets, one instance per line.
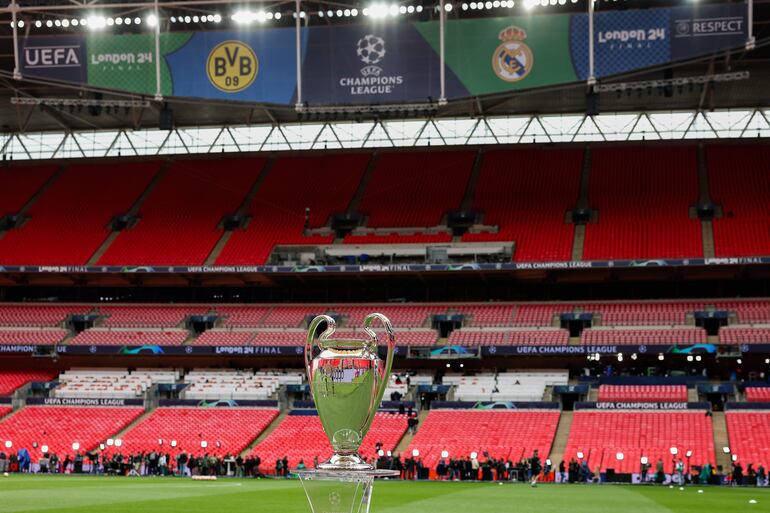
[491, 469]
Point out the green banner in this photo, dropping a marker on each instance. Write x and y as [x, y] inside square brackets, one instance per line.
[127, 62]
[492, 55]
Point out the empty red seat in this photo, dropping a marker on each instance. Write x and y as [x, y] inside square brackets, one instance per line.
[644, 393]
[302, 437]
[11, 380]
[749, 432]
[224, 430]
[502, 433]
[58, 427]
[601, 435]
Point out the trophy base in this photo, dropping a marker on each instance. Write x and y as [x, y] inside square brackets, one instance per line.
[345, 462]
[339, 491]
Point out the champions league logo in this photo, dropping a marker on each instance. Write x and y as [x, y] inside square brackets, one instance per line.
[512, 60]
[371, 51]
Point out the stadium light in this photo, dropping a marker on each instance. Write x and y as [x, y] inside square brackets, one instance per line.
[580, 455]
[767, 360]
[739, 361]
[44, 448]
[644, 460]
[445, 454]
[661, 357]
[152, 20]
[8, 444]
[448, 7]
[674, 451]
[698, 358]
[75, 446]
[380, 453]
[415, 452]
[474, 455]
[204, 444]
[619, 456]
[96, 22]
[118, 442]
[173, 443]
[689, 357]
[110, 442]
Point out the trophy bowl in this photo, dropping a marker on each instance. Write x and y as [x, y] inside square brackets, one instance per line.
[347, 380]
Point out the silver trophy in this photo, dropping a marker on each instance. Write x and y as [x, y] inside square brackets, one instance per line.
[347, 379]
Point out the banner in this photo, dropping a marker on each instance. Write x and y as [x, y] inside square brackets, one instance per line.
[83, 401]
[387, 63]
[224, 403]
[629, 405]
[387, 268]
[182, 350]
[494, 405]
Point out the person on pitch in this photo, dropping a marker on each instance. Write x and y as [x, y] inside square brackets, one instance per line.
[536, 467]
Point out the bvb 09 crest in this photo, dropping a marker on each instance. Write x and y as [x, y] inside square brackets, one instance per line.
[512, 60]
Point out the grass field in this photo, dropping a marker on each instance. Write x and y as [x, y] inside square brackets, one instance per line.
[70, 494]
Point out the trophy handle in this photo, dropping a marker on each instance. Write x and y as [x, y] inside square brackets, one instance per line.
[385, 376]
[331, 325]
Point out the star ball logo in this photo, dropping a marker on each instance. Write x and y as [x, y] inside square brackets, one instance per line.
[512, 60]
[232, 66]
[371, 50]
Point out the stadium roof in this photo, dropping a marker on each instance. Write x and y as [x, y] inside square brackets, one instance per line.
[639, 92]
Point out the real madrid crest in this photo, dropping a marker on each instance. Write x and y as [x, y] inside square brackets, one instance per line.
[512, 60]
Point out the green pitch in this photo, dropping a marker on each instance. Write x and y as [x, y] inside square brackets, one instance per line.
[71, 494]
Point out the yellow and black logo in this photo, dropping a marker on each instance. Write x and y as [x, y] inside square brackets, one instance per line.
[232, 66]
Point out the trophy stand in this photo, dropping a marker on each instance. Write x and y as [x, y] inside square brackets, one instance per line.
[339, 491]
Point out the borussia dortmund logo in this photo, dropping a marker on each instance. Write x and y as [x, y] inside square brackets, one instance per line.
[232, 66]
[512, 60]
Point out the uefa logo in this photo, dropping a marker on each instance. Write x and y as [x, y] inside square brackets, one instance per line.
[682, 27]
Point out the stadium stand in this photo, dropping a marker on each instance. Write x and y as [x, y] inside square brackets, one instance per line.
[19, 183]
[643, 393]
[5, 410]
[179, 220]
[601, 435]
[758, 394]
[12, 380]
[129, 337]
[58, 427]
[485, 315]
[643, 211]
[110, 383]
[527, 194]
[506, 386]
[141, 316]
[58, 234]
[224, 430]
[38, 314]
[744, 335]
[302, 437]
[502, 433]
[225, 337]
[747, 311]
[40, 336]
[748, 432]
[514, 337]
[643, 336]
[325, 185]
[241, 316]
[739, 183]
[404, 189]
[402, 316]
[217, 384]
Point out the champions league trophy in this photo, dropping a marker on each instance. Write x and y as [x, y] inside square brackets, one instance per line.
[347, 380]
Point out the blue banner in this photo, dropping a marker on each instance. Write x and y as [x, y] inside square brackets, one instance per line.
[257, 66]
